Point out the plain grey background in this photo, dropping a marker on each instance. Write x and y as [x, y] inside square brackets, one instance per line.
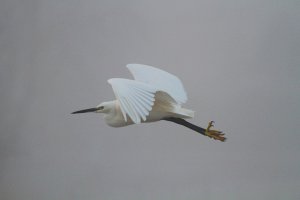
[238, 60]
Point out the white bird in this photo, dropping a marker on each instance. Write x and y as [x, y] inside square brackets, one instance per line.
[153, 95]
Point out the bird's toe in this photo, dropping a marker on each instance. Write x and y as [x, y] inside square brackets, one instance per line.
[215, 134]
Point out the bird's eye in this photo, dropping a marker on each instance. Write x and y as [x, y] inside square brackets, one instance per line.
[101, 108]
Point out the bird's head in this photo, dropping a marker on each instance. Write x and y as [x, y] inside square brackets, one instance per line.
[104, 107]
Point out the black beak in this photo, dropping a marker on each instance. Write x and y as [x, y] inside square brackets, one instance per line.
[85, 110]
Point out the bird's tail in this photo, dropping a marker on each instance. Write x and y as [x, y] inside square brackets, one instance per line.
[183, 112]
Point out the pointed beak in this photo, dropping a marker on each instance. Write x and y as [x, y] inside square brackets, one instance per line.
[85, 110]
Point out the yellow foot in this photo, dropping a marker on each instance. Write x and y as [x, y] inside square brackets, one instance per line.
[217, 135]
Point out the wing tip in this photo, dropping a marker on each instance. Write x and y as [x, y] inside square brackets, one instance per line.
[131, 65]
[110, 80]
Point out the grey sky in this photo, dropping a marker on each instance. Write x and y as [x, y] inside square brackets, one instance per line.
[238, 60]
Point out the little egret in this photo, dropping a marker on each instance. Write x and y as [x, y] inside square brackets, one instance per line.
[153, 95]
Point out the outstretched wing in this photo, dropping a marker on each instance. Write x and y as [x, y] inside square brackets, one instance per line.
[136, 98]
[159, 79]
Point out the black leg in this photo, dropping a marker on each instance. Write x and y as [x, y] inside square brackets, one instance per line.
[186, 124]
[217, 135]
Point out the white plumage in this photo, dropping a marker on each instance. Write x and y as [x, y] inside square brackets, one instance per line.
[137, 97]
[159, 79]
[153, 95]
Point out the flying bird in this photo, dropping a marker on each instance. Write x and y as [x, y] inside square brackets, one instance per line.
[152, 96]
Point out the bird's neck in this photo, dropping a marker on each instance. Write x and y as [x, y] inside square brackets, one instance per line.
[110, 107]
[114, 116]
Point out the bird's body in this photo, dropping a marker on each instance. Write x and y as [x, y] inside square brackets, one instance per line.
[153, 95]
[159, 111]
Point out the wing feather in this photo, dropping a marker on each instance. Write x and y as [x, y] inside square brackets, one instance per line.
[136, 98]
[159, 79]
[139, 110]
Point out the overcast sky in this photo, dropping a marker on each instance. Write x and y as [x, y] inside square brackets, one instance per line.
[238, 60]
